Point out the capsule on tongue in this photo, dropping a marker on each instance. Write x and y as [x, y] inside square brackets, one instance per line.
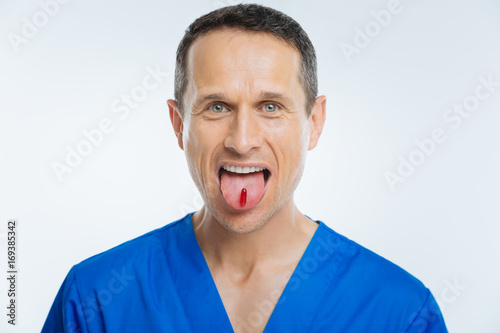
[242, 191]
[243, 197]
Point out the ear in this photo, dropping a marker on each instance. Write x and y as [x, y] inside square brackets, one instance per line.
[317, 120]
[177, 121]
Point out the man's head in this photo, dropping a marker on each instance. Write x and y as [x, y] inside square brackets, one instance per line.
[244, 124]
[252, 18]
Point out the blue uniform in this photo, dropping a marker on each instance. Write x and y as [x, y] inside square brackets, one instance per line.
[160, 282]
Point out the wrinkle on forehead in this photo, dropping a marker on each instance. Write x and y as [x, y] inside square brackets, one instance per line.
[240, 63]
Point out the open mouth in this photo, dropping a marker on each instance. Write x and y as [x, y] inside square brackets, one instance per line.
[244, 170]
[243, 187]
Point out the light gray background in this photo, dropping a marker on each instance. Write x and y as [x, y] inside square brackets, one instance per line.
[441, 224]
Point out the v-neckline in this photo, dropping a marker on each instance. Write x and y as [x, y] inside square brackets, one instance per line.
[203, 304]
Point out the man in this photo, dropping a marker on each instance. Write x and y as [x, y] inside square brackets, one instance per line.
[245, 113]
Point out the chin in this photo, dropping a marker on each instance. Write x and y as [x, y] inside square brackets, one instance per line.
[243, 228]
[244, 222]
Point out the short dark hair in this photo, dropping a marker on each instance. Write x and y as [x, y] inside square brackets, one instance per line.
[256, 18]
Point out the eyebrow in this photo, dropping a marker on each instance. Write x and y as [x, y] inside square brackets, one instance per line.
[222, 97]
[210, 97]
[275, 95]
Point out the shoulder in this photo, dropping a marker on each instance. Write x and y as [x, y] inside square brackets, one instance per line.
[373, 289]
[129, 258]
[127, 280]
[365, 275]
[370, 268]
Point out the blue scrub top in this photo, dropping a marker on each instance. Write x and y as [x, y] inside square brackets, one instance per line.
[160, 282]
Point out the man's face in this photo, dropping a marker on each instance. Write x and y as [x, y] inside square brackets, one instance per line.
[244, 107]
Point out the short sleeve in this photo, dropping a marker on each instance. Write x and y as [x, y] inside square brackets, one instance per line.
[66, 314]
[428, 319]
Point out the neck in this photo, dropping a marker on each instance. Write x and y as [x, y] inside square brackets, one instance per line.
[281, 240]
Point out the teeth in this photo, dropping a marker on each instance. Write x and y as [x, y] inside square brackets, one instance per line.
[238, 169]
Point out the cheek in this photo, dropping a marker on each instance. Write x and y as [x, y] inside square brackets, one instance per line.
[192, 149]
[291, 136]
[193, 137]
[305, 137]
[200, 142]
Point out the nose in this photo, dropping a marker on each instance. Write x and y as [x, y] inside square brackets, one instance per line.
[245, 133]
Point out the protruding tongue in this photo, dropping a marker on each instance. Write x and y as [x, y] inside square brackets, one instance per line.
[232, 184]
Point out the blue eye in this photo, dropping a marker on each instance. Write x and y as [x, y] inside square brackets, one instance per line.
[217, 108]
[270, 107]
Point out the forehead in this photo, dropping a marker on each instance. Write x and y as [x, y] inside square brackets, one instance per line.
[236, 59]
